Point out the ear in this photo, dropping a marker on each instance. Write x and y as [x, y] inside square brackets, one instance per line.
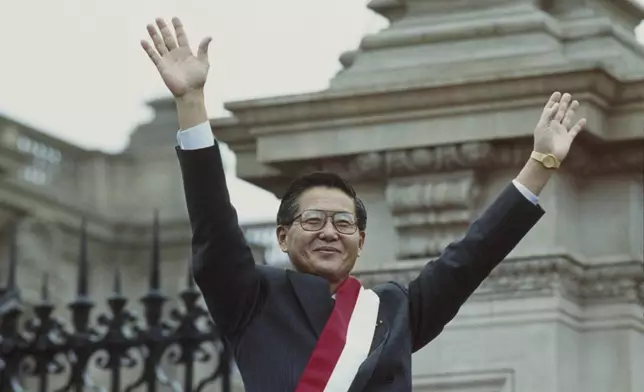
[281, 232]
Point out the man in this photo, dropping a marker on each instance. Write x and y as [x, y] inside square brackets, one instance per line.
[317, 328]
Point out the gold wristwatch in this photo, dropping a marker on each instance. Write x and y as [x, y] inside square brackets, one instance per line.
[548, 161]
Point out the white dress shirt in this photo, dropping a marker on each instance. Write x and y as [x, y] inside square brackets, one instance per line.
[200, 136]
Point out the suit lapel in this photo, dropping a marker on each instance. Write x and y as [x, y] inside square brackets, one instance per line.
[313, 294]
[379, 335]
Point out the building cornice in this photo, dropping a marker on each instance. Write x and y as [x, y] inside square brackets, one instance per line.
[531, 83]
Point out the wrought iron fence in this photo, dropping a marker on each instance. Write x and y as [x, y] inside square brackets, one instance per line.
[44, 347]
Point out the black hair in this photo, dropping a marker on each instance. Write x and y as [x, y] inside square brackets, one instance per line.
[289, 204]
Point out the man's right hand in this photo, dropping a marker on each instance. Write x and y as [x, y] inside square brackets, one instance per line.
[183, 72]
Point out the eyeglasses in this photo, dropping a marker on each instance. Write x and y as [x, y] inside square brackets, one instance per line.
[314, 220]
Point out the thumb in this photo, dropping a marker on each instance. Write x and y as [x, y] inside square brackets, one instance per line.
[202, 52]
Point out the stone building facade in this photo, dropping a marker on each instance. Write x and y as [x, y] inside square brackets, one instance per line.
[429, 118]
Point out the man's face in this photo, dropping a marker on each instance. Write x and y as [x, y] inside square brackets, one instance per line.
[323, 240]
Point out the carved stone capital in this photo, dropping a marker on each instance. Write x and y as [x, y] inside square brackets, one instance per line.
[586, 285]
[431, 211]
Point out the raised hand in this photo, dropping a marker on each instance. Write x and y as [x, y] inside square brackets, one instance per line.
[554, 134]
[181, 71]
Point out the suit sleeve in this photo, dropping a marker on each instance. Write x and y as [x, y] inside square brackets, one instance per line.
[444, 284]
[222, 261]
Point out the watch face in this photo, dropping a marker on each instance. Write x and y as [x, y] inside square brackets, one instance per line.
[549, 161]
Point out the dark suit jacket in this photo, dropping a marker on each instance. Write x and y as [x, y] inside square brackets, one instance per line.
[273, 317]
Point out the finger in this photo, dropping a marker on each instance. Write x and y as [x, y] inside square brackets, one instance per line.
[546, 115]
[574, 131]
[202, 52]
[554, 98]
[569, 114]
[565, 100]
[154, 56]
[549, 114]
[166, 33]
[182, 37]
[157, 40]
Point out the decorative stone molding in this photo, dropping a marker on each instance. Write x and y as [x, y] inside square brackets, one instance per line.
[436, 159]
[604, 283]
[388, 164]
[538, 276]
[438, 206]
[614, 282]
[583, 160]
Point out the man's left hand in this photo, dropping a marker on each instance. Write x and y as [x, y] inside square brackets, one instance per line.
[554, 133]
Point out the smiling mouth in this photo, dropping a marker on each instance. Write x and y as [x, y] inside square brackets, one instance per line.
[327, 250]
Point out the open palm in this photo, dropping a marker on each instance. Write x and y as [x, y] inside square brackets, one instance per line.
[554, 134]
[181, 71]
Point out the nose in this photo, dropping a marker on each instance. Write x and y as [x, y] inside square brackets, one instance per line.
[328, 231]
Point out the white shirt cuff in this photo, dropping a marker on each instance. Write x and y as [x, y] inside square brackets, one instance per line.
[197, 137]
[534, 199]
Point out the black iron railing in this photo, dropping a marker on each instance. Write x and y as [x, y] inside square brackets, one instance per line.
[44, 347]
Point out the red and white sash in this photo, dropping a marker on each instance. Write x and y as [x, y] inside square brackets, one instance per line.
[344, 342]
